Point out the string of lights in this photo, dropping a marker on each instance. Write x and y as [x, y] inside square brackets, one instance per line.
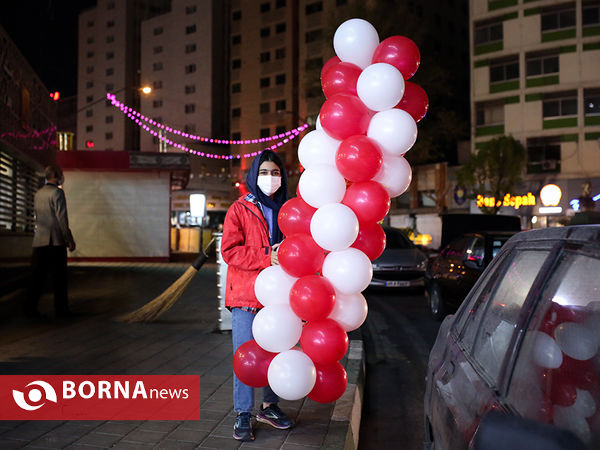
[131, 113]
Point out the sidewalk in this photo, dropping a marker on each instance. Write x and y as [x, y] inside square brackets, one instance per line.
[183, 341]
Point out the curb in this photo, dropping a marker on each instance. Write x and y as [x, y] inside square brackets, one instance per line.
[344, 426]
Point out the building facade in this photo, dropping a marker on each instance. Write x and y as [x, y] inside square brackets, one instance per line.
[535, 71]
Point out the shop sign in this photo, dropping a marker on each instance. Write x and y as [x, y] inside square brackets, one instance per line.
[513, 201]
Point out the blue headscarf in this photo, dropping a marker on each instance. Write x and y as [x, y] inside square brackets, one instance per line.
[280, 196]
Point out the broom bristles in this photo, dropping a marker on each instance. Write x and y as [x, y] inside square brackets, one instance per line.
[152, 310]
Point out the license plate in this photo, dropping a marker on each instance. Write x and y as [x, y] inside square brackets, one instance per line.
[397, 283]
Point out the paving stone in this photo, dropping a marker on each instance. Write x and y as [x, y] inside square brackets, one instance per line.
[98, 439]
[11, 444]
[159, 425]
[145, 436]
[185, 435]
[116, 428]
[174, 445]
[219, 443]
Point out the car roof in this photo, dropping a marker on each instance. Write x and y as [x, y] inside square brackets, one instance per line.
[491, 233]
[574, 233]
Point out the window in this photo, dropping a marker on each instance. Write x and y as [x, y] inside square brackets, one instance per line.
[265, 82]
[90, 23]
[488, 31]
[504, 69]
[157, 84]
[265, 32]
[280, 105]
[265, 57]
[157, 49]
[558, 18]
[89, 113]
[108, 119]
[190, 29]
[236, 136]
[190, 48]
[280, 79]
[89, 128]
[265, 108]
[108, 136]
[158, 30]
[280, 28]
[157, 103]
[313, 91]
[190, 9]
[110, 71]
[280, 4]
[236, 40]
[341, 2]
[110, 55]
[157, 66]
[189, 128]
[280, 129]
[157, 119]
[543, 155]
[265, 132]
[190, 88]
[236, 63]
[236, 88]
[280, 53]
[590, 13]
[236, 112]
[591, 101]
[542, 63]
[190, 108]
[110, 5]
[489, 113]
[110, 24]
[110, 39]
[89, 69]
[559, 105]
[89, 84]
[236, 15]
[190, 68]
[312, 36]
[315, 7]
[90, 40]
[110, 87]
[314, 63]
[265, 7]
[90, 54]
[89, 99]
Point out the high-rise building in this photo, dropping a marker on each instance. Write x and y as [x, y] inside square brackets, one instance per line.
[535, 71]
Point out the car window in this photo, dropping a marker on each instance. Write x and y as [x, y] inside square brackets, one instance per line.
[456, 248]
[493, 322]
[497, 243]
[475, 252]
[396, 239]
[557, 373]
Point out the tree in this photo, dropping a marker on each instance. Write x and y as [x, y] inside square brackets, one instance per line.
[494, 171]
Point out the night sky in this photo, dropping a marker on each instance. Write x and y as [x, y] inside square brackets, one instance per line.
[45, 31]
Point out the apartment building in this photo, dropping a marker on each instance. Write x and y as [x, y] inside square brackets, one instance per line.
[535, 71]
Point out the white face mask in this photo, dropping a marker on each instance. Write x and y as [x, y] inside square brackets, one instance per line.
[268, 184]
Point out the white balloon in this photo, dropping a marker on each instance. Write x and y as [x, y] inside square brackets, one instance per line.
[576, 340]
[318, 122]
[317, 147]
[334, 227]
[394, 175]
[355, 41]
[292, 375]
[273, 285]
[349, 271]
[565, 417]
[276, 328]
[584, 403]
[380, 86]
[350, 310]
[394, 130]
[546, 352]
[321, 185]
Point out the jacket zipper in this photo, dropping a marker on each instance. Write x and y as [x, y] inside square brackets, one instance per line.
[259, 219]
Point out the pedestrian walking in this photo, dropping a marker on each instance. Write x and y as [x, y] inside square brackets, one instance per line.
[51, 240]
[249, 244]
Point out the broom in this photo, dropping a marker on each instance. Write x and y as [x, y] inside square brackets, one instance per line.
[152, 310]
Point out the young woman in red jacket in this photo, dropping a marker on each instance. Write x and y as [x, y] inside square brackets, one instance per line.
[249, 244]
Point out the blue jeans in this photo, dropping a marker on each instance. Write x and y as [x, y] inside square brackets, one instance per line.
[241, 332]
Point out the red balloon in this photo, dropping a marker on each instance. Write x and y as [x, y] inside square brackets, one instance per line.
[344, 115]
[312, 297]
[558, 314]
[299, 255]
[414, 101]
[324, 341]
[251, 363]
[369, 200]
[340, 79]
[358, 158]
[400, 52]
[331, 383]
[294, 217]
[329, 64]
[580, 373]
[370, 240]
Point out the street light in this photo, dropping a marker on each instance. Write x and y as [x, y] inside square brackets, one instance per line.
[145, 90]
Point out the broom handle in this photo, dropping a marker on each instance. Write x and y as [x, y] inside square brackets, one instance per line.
[201, 259]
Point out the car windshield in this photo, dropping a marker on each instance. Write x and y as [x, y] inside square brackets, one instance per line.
[396, 239]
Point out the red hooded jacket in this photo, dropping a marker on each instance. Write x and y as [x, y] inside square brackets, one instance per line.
[246, 250]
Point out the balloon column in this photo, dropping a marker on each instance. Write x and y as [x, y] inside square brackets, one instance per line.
[353, 164]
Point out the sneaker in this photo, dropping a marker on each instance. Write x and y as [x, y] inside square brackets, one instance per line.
[242, 430]
[274, 417]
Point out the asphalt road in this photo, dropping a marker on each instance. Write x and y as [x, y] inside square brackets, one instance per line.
[398, 335]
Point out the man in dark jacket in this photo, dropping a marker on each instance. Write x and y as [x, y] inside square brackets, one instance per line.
[50, 242]
[249, 244]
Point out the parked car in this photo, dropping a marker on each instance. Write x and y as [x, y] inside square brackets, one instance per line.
[401, 264]
[525, 341]
[452, 274]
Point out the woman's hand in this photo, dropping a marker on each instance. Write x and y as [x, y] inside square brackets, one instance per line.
[274, 259]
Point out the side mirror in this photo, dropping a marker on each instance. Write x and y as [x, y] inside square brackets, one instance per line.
[498, 431]
[473, 263]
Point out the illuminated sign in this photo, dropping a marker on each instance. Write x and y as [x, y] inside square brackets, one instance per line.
[513, 201]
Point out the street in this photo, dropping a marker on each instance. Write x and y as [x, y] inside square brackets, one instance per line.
[398, 335]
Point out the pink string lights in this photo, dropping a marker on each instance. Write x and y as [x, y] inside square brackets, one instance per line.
[142, 121]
